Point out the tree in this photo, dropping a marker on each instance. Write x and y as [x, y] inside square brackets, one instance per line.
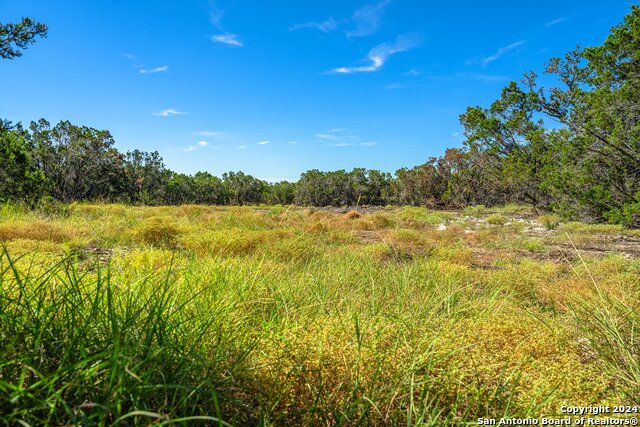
[243, 189]
[81, 161]
[16, 37]
[19, 178]
[180, 189]
[209, 189]
[597, 99]
[146, 176]
[279, 193]
[508, 132]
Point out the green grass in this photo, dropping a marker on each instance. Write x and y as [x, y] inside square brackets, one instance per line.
[200, 315]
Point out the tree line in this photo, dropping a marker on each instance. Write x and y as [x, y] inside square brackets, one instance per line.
[586, 166]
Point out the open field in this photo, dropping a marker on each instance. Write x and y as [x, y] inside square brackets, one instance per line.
[283, 316]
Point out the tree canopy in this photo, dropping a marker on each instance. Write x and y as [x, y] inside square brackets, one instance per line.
[16, 37]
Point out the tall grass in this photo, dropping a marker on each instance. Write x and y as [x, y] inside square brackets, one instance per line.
[247, 317]
[612, 331]
[80, 349]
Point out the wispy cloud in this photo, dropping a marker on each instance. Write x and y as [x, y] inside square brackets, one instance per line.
[190, 148]
[263, 142]
[141, 68]
[292, 142]
[154, 70]
[169, 112]
[380, 54]
[364, 21]
[325, 26]
[242, 147]
[203, 143]
[413, 72]
[555, 22]
[228, 39]
[498, 54]
[215, 16]
[341, 137]
[367, 19]
[326, 137]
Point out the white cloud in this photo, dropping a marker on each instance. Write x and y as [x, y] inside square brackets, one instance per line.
[380, 54]
[228, 39]
[364, 21]
[413, 72]
[215, 15]
[324, 26]
[263, 142]
[326, 137]
[128, 55]
[199, 144]
[292, 142]
[554, 22]
[154, 70]
[242, 147]
[367, 19]
[500, 52]
[338, 137]
[169, 112]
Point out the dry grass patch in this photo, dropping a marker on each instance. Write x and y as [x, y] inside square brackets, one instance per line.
[352, 215]
[39, 230]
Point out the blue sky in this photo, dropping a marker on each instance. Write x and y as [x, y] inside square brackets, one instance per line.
[279, 87]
